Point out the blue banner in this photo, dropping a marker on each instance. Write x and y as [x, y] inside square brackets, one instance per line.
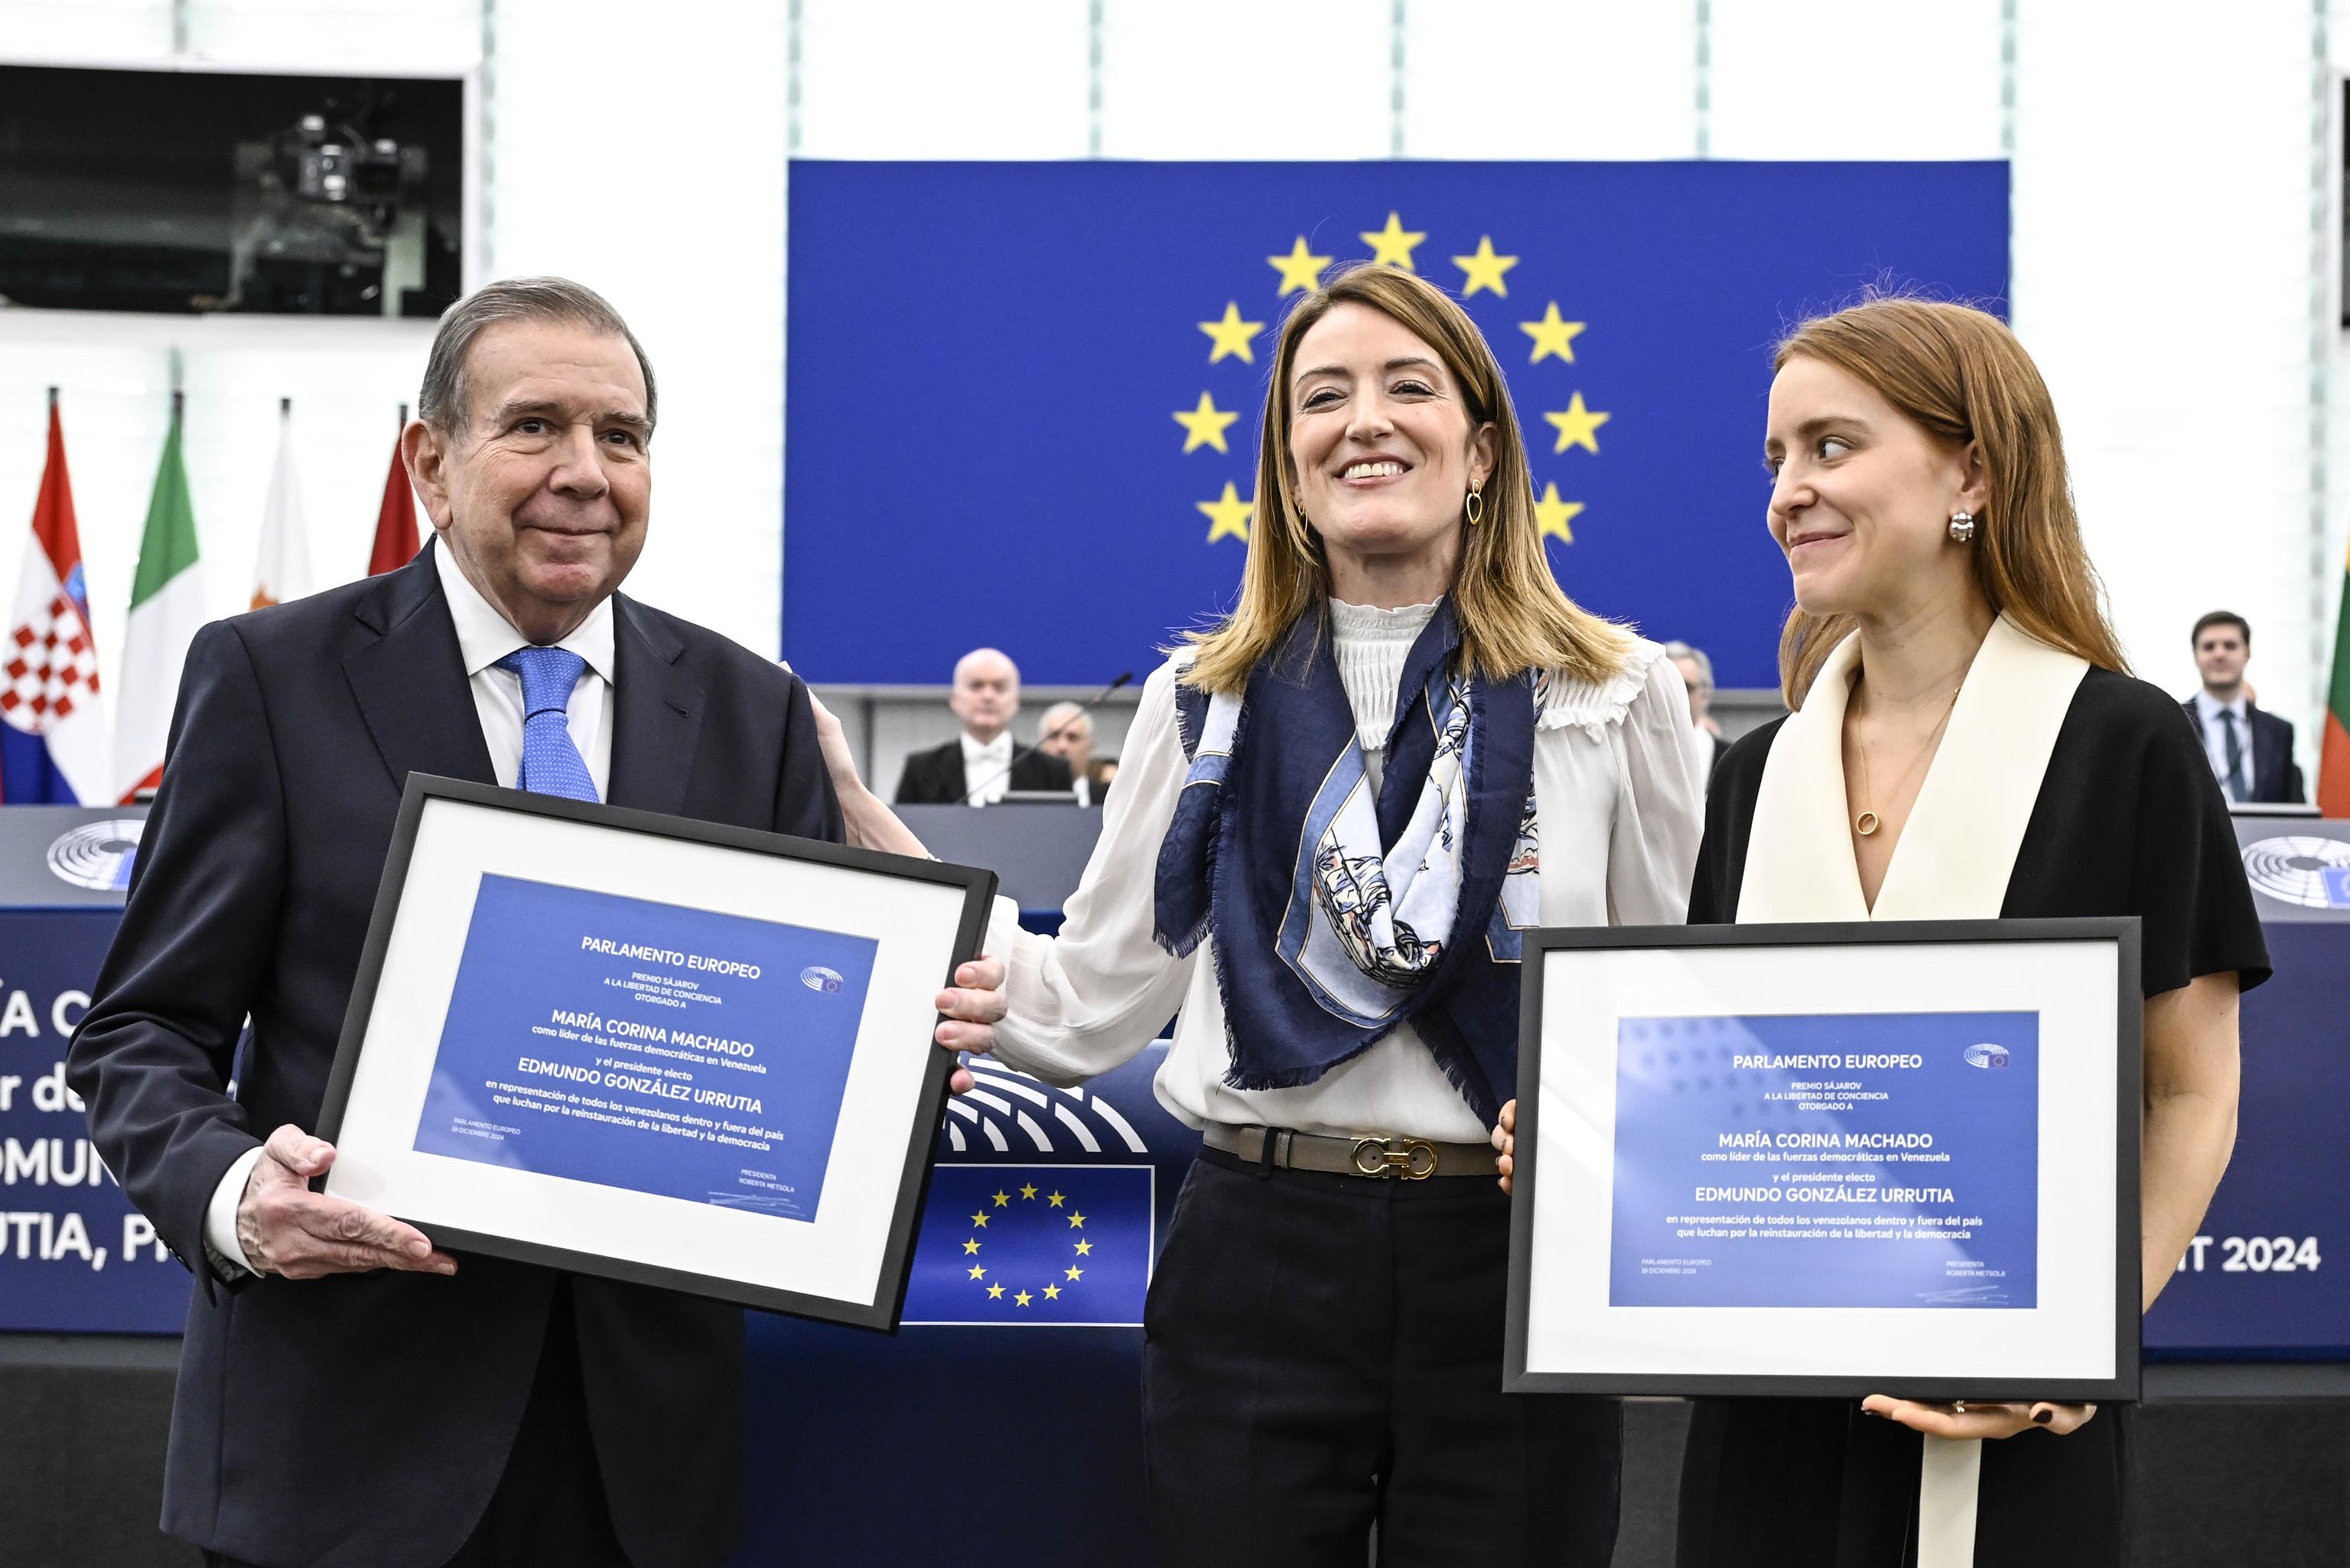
[1870, 1159]
[75, 1256]
[1023, 399]
[650, 1046]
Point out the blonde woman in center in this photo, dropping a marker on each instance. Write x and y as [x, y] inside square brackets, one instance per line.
[1333, 814]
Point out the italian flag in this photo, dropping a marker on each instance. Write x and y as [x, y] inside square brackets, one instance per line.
[2334, 758]
[167, 606]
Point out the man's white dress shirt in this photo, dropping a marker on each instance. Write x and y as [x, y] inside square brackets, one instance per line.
[1617, 805]
[986, 769]
[2208, 709]
[485, 636]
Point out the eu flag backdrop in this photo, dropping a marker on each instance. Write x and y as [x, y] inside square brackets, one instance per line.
[1023, 399]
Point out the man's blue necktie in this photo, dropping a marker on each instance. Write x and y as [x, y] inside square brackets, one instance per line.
[2237, 789]
[551, 763]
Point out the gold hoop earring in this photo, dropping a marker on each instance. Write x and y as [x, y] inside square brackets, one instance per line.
[1476, 509]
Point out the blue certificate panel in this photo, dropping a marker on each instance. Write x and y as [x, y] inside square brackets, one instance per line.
[644, 1045]
[1873, 1160]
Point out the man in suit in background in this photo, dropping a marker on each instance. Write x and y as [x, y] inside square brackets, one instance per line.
[979, 766]
[1066, 731]
[2251, 749]
[347, 1394]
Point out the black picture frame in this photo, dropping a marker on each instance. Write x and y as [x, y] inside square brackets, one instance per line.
[921, 1136]
[2122, 933]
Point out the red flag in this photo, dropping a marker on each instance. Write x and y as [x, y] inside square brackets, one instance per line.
[395, 521]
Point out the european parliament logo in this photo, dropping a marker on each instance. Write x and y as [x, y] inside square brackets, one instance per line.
[1062, 1238]
[1058, 1245]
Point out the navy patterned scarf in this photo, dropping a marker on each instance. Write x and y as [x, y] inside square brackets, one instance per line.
[1337, 916]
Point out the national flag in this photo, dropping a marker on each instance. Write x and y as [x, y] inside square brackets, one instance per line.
[1064, 1246]
[167, 607]
[2334, 753]
[1122, 318]
[53, 747]
[283, 570]
[395, 521]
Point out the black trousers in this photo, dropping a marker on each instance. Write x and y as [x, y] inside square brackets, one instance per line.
[1322, 1358]
[549, 1506]
[1819, 1483]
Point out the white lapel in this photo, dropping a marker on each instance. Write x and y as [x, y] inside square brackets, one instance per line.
[1958, 846]
[1799, 864]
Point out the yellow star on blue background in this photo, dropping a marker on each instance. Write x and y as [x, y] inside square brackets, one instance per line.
[1301, 269]
[1484, 268]
[1205, 425]
[1228, 516]
[1393, 244]
[1552, 335]
[1577, 426]
[1552, 515]
[1230, 335]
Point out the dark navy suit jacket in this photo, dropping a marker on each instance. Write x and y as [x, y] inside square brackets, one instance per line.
[363, 1421]
[2276, 777]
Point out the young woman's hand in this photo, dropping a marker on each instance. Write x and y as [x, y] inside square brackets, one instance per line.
[1991, 1419]
[1505, 1141]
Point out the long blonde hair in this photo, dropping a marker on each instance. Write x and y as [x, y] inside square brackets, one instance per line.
[1960, 373]
[1511, 613]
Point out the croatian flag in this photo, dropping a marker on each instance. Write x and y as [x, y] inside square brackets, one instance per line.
[53, 749]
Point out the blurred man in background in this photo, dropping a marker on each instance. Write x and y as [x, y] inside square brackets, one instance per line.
[1068, 732]
[1697, 674]
[981, 766]
[2251, 749]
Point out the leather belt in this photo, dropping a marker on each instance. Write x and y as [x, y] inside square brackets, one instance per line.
[1380, 1156]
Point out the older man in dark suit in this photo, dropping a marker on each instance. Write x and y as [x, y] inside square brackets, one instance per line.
[350, 1395]
[2251, 747]
[981, 766]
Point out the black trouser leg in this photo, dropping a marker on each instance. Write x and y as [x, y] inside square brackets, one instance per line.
[550, 1505]
[1323, 1353]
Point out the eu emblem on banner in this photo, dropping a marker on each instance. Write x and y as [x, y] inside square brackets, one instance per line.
[1061, 1245]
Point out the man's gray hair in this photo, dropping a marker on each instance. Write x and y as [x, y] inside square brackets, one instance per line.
[1678, 650]
[441, 400]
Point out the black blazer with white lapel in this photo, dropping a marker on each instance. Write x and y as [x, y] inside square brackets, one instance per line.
[364, 1421]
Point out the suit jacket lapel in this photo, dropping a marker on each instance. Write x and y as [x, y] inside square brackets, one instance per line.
[410, 682]
[657, 712]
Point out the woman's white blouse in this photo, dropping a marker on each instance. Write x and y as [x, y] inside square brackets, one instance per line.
[1619, 800]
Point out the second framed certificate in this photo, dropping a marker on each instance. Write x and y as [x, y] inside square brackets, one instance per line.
[659, 1050]
[1829, 1160]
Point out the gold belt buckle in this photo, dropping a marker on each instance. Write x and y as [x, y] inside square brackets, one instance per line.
[1396, 1159]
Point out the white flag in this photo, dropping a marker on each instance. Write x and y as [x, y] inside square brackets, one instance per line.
[283, 571]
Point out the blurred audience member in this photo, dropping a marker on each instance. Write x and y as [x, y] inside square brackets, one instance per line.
[1697, 674]
[1068, 732]
[979, 765]
[2251, 749]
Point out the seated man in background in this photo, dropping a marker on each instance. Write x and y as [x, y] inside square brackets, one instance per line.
[1068, 732]
[2251, 749]
[981, 764]
[1697, 674]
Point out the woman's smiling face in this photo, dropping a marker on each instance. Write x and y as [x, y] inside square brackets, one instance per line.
[1379, 442]
[1861, 496]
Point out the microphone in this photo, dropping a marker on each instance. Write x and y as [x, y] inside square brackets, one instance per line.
[1054, 734]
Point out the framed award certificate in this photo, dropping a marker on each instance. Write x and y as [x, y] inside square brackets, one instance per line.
[659, 1050]
[1829, 1160]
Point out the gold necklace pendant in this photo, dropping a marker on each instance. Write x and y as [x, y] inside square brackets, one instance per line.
[1866, 824]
